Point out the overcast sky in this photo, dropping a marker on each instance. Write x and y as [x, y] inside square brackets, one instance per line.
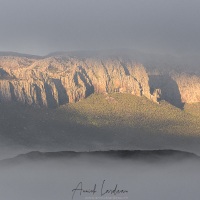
[43, 26]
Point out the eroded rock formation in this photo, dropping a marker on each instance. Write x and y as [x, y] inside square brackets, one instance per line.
[189, 87]
[54, 81]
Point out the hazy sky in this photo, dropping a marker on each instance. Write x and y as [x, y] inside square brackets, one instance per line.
[43, 26]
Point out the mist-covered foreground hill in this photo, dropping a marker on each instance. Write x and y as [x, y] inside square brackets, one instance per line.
[101, 122]
[144, 175]
[146, 156]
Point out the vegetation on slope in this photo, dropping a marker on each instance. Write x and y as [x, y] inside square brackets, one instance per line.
[97, 119]
[125, 110]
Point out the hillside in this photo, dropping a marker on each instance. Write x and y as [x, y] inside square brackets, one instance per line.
[125, 110]
[153, 157]
[115, 121]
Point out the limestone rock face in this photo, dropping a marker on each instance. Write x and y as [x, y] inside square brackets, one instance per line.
[156, 96]
[55, 81]
[189, 87]
[174, 88]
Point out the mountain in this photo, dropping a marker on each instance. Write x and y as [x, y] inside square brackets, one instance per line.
[151, 156]
[15, 54]
[120, 104]
[58, 79]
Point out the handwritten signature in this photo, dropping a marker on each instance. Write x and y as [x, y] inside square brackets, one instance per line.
[79, 190]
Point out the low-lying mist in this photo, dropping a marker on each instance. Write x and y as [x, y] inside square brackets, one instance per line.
[41, 179]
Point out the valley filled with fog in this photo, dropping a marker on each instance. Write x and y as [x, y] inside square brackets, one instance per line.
[55, 178]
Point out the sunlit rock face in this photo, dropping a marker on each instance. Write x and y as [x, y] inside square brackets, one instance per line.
[58, 80]
[175, 88]
[55, 81]
[189, 86]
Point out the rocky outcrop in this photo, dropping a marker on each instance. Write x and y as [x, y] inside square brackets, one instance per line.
[189, 87]
[55, 81]
[175, 88]
[165, 88]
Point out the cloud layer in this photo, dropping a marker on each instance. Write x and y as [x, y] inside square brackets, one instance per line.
[43, 26]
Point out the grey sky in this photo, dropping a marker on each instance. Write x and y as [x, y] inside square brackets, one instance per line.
[43, 26]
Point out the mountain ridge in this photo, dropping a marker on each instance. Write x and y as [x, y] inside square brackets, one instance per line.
[56, 80]
[152, 156]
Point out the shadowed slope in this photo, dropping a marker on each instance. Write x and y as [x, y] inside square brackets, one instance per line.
[153, 156]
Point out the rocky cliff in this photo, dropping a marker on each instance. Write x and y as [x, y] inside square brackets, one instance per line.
[189, 87]
[54, 81]
[175, 88]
